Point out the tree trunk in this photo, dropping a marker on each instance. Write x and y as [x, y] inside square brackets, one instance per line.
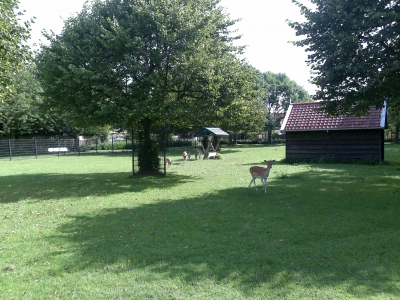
[269, 138]
[396, 135]
[148, 159]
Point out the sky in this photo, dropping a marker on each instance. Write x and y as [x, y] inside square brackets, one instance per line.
[263, 28]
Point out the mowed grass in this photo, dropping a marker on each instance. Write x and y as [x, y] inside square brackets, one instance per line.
[85, 228]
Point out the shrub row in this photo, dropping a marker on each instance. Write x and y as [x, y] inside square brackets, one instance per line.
[331, 160]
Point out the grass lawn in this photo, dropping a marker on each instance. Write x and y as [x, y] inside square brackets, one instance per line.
[85, 228]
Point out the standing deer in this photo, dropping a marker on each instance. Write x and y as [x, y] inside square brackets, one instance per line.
[198, 154]
[185, 156]
[262, 173]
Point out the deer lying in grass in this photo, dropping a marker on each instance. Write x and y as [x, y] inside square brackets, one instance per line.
[262, 173]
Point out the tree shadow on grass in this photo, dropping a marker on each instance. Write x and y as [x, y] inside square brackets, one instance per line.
[58, 186]
[313, 239]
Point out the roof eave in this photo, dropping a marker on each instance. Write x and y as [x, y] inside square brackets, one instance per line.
[332, 129]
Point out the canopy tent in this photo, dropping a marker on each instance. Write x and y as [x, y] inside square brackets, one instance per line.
[214, 132]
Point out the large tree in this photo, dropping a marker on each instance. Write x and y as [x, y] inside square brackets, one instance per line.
[354, 52]
[277, 92]
[148, 63]
[13, 51]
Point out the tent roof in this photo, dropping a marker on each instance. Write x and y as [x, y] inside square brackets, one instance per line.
[211, 131]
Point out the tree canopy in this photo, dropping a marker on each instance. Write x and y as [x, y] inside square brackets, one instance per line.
[148, 63]
[277, 91]
[25, 114]
[13, 52]
[354, 52]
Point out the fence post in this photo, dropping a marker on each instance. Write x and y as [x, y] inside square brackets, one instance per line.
[96, 144]
[9, 147]
[34, 139]
[112, 144]
[164, 151]
[58, 146]
[133, 154]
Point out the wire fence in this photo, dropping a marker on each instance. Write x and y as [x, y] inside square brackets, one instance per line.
[13, 148]
[16, 149]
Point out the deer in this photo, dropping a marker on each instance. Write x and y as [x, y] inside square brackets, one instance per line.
[198, 154]
[168, 161]
[262, 173]
[185, 156]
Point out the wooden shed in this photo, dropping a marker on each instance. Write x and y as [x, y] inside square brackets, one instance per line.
[310, 133]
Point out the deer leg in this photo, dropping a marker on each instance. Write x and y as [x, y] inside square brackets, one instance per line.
[250, 182]
[253, 180]
[265, 184]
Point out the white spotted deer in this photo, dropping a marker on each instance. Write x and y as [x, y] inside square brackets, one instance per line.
[185, 156]
[262, 173]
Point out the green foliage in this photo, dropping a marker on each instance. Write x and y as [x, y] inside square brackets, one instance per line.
[146, 64]
[354, 52]
[278, 91]
[247, 112]
[331, 160]
[108, 146]
[14, 54]
[179, 143]
[24, 113]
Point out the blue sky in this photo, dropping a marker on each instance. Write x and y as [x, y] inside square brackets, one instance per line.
[263, 28]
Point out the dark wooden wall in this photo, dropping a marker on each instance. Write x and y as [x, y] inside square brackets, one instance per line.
[355, 144]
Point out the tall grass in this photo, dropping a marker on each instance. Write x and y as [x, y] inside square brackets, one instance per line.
[84, 228]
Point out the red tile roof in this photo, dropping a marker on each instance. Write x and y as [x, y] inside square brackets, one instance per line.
[305, 116]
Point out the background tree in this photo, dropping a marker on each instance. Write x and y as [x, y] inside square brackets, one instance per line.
[246, 113]
[354, 51]
[13, 52]
[148, 63]
[394, 123]
[25, 114]
[20, 114]
[277, 92]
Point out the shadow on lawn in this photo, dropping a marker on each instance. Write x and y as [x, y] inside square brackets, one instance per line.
[287, 238]
[58, 186]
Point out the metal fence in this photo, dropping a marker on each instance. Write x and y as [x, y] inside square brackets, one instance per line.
[12, 148]
[35, 147]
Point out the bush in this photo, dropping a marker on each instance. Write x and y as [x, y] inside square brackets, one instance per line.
[107, 146]
[251, 142]
[330, 160]
[179, 143]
